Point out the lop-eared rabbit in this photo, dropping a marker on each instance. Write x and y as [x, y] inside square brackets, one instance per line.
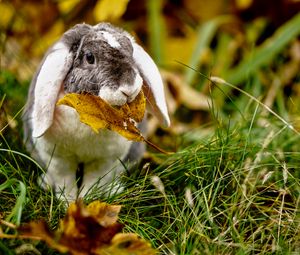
[107, 62]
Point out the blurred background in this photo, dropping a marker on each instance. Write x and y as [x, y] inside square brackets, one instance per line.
[252, 44]
[233, 187]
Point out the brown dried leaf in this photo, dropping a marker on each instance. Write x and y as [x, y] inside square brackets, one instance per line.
[39, 230]
[127, 244]
[98, 114]
[105, 214]
[185, 94]
[88, 230]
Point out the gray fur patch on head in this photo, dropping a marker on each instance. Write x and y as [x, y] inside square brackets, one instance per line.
[103, 56]
[74, 35]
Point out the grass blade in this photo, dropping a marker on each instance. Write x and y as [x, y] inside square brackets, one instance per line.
[156, 29]
[266, 52]
[16, 213]
[5, 250]
[205, 35]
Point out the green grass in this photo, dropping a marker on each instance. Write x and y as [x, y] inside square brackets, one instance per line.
[233, 185]
[234, 191]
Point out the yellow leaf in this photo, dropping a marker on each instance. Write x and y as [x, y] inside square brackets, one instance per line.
[67, 5]
[127, 244]
[175, 47]
[39, 230]
[82, 230]
[86, 230]
[43, 43]
[183, 93]
[7, 13]
[98, 114]
[109, 9]
[104, 214]
[243, 4]
[204, 11]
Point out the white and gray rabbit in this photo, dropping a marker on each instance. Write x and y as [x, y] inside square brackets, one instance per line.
[103, 60]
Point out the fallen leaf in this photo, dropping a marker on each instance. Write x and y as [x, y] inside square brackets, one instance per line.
[104, 214]
[185, 94]
[109, 9]
[98, 114]
[39, 230]
[67, 6]
[243, 4]
[87, 230]
[127, 244]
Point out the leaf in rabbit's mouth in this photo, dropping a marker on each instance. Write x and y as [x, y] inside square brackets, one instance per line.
[98, 114]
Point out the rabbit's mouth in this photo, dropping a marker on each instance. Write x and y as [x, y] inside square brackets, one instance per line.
[118, 97]
[131, 95]
[123, 94]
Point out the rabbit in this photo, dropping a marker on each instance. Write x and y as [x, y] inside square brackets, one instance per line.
[103, 60]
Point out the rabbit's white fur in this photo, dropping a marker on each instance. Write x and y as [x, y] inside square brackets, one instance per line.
[99, 153]
[117, 71]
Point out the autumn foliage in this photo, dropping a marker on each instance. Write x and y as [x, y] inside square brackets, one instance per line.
[241, 182]
[98, 114]
[87, 230]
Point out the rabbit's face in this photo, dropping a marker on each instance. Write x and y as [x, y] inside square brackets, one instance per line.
[103, 60]
[104, 66]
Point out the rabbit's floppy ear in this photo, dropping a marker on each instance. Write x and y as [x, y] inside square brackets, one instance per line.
[48, 85]
[153, 85]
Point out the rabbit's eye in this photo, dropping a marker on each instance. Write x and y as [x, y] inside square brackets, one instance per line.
[90, 58]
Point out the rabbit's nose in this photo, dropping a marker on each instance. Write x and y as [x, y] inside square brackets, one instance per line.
[126, 92]
[129, 93]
